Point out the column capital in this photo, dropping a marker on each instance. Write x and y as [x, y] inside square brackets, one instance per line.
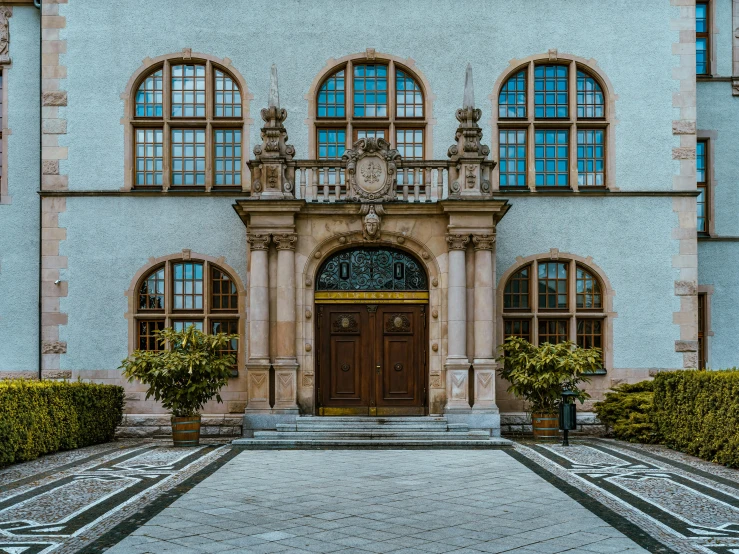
[285, 241]
[258, 241]
[483, 242]
[457, 242]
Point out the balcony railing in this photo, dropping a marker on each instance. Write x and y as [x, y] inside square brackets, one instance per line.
[324, 181]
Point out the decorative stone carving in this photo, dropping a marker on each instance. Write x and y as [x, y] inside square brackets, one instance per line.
[397, 323]
[272, 176]
[54, 347]
[435, 382]
[5, 13]
[285, 241]
[371, 225]
[307, 380]
[258, 241]
[470, 172]
[483, 242]
[345, 323]
[371, 171]
[457, 242]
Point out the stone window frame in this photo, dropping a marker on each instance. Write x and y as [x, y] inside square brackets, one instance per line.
[710, 137]
[130, 122]
[391, 123]
[707, 292]
[5, 132]
[530, 123]
[606, 314]
[133, 315]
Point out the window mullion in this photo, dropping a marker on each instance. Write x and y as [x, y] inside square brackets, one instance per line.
[209, 111]
[349, 111]
[572, 108]
[391, 102]
[531, 157]
[168, 291]
[573, 157]
[534, 296]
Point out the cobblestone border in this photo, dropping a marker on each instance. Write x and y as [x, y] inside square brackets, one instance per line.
[137, 519]
[587, 501]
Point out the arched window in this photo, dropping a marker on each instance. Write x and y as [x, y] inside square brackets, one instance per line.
[187, 126]
[184, 292]
[371, 98]
[553, 123]
[553, 301]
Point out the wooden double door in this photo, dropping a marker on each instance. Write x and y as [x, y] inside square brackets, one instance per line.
[372, 359]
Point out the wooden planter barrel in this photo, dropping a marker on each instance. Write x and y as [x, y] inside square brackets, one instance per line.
[545, 425]
[186, 430]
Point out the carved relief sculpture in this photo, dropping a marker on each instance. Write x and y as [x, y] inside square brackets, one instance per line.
[371, 225]
[371, 171]
[5, 13]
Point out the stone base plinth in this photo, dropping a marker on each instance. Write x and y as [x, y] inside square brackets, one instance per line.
[476, 420]
[149, 425]
[266, 422]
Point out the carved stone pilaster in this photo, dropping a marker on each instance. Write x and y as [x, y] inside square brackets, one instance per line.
[5, 13]
[457, 242]
[285, 241]
[258, 241]
[273, 176]
[483, 242]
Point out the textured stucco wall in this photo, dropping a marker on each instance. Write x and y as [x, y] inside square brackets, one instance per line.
[723, 39]
[109, 240]
[718, 111]
[613, 233]
[440, 36]
[718, 268]
[19, 221]
[718, 114]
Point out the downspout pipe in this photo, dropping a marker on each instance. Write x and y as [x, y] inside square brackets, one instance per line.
[37, 4]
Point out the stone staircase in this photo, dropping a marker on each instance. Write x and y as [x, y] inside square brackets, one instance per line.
[371, 432]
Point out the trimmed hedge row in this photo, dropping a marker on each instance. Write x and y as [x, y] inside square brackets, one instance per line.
[696, 412]
[41, 417]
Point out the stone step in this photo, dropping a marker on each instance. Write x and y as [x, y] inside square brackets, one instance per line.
[402, 444]
[374, 419]
[369, 435]
[362, 427]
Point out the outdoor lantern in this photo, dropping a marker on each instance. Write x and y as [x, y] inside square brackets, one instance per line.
[567, 415]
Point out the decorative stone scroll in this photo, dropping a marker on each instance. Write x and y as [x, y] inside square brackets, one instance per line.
[371, 171]
[5, 13]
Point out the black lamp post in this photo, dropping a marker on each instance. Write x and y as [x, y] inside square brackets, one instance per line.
[567, 415]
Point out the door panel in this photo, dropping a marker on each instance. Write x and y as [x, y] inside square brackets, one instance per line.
[372, 359]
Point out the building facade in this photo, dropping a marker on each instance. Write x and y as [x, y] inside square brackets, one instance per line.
[372, 200]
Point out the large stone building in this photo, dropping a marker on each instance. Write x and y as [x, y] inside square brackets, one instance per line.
[582, 187]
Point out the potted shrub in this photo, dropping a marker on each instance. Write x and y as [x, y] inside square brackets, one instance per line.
[540, 374]
[190, 369]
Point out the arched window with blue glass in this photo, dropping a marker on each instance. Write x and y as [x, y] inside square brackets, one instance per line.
[553, 120]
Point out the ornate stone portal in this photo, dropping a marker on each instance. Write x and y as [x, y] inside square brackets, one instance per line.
[448, 235]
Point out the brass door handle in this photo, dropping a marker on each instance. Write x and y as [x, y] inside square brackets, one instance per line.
[379, 369]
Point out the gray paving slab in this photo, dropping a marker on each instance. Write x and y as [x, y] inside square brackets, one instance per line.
[376, 501]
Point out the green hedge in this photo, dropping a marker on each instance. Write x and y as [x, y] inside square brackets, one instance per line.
[627, 412]
[41, 417]
[697, 412]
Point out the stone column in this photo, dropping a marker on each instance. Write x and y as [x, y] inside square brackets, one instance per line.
[457, 365]
[286, 363]
[484, 323]
[258, 363]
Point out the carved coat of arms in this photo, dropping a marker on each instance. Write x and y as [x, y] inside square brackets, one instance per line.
[371, 171]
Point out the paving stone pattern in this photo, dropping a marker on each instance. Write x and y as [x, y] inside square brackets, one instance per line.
[398, 501]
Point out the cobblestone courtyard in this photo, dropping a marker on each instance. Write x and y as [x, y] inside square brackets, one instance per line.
[141, 497]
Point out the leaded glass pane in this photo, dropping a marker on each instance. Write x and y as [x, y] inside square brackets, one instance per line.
[370, 90]
[188, 157]
[552, 285]
[151, 293]
[589, 97]
[331, 96]
[149, 157]
[227, 96]
[552, 157]
[516, 293]
[188, 286]
[371, 269]
[149, 96]
[590, 158]
[188, 90]
[512, 156]
[550, 91]
[227, 158]
[587, 290]
[512, 98]
[408, 96]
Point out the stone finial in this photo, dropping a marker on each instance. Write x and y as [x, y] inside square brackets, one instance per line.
[274, 92]
[469, 89]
